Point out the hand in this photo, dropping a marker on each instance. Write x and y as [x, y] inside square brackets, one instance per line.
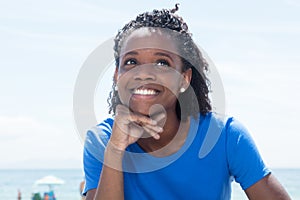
[129, 127]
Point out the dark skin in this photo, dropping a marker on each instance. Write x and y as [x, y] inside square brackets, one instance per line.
[141, 87]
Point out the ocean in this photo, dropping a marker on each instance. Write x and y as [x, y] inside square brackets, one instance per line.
[13, 180]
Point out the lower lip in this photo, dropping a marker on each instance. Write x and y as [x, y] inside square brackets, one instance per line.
[144, 97]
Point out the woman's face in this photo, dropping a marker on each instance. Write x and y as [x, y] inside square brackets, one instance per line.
[150, 71]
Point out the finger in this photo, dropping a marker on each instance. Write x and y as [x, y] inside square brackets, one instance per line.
[152, 133]
[135, 130]
[122, 110]
[156, 109]
[160, 117]
[156, 129]
[142, 120]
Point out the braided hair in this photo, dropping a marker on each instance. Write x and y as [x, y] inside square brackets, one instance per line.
[196, 97]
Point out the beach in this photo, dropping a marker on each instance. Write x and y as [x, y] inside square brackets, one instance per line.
[12, 180]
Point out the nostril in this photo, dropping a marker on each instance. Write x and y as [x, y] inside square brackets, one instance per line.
[144, 77]
[144, 74]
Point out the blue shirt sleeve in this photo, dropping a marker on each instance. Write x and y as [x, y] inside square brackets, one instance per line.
[92, 170]
[93, 153]
[245, 162]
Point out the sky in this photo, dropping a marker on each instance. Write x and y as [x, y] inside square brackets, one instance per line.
[254, 46]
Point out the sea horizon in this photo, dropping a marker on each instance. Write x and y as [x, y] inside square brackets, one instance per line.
[13, 180]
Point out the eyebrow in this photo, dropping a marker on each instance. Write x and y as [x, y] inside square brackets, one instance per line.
[163, 54]
[157, 54]
[130, 53]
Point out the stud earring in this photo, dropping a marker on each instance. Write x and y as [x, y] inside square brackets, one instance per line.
[116, 88]
[182, 90]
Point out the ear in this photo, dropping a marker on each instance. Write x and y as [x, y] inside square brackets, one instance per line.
[187, 77]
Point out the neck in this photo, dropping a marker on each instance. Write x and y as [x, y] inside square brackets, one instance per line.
[172, 138]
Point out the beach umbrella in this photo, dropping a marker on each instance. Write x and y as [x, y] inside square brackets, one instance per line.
[50, 181]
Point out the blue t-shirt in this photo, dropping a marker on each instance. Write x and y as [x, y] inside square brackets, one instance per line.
[217, 150]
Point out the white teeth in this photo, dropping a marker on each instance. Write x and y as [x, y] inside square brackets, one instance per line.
[144, 92]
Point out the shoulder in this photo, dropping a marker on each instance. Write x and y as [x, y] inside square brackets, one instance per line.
[226, 124]
[99, 135]
[101, 130]
[238, 133]
[216, 124]
[213, 128]
[216, 119]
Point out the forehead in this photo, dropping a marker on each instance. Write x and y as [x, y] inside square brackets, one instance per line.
[149, 38]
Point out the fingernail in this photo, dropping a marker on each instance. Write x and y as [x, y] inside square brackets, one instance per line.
[160, 129]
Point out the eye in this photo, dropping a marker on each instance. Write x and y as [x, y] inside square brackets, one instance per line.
[163, 63]
[130, 62]
[127, 64]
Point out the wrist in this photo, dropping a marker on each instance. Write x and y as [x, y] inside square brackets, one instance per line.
[116, 149]
[115, 144]
[113, 156]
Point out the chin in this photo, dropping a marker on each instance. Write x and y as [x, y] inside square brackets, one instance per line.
[143, 110]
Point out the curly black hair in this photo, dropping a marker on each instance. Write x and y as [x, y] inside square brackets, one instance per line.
[195, 99]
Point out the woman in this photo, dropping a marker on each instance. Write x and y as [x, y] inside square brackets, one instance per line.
[164, 141]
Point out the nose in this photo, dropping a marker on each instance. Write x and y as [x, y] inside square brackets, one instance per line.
[144, 72]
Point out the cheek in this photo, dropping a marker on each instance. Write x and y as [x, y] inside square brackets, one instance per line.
[122, 83]
[172, 82]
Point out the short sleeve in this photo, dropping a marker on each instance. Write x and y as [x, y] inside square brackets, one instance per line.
[92, 169]
[244, 160]
[93, 153]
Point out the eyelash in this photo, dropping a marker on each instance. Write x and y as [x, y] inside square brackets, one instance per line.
[161, 62]
[130, 62]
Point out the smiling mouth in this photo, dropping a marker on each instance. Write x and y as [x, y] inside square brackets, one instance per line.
[145, 91]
